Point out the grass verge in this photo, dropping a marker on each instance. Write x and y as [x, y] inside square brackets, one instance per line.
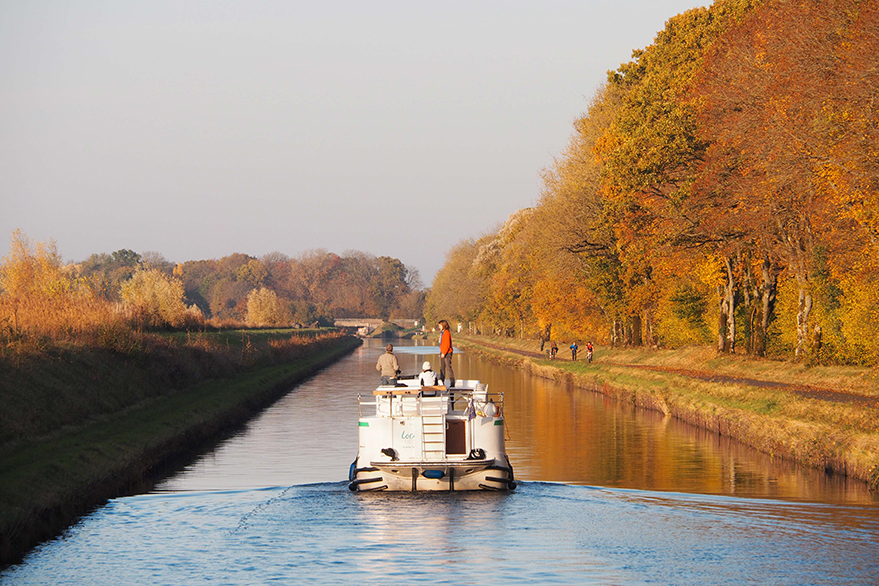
[48, 483]
[825, 417]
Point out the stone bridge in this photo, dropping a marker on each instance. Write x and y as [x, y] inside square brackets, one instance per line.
[373, 322]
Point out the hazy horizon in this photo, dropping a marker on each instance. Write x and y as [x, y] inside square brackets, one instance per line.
[199, 129]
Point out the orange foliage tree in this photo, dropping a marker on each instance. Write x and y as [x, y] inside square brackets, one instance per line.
[775, 125]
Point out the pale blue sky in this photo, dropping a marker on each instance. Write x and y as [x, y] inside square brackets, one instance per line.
[199, 129]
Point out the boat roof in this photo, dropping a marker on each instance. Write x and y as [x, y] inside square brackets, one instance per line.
[413, 387]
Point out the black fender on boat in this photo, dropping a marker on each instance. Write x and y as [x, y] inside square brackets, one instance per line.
[356, 484]
[381, 488]
[510, 481]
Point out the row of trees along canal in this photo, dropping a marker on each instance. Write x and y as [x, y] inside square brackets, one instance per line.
[40, 294]
[722, 188]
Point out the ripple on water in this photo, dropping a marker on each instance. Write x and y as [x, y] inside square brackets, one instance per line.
[544, 533]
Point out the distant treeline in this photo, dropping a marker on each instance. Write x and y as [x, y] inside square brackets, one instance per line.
[722, 188]
[100, 301]
[316, 286]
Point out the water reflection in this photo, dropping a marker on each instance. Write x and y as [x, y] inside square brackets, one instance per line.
[555, 433]
[563, 434]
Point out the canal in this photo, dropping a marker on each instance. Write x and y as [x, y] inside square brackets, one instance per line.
[608, 494]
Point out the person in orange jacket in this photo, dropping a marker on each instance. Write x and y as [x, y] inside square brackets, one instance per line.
[446, 352]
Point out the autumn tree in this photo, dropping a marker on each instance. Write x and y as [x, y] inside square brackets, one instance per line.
[772, 123]
[41, 297]
[576, 265]
[503, 263]
[106, 272]
[388, 284]
[253, 272]
[264, 308]
[459, 290]
[849, 175]
[155, 299]
[651, 154]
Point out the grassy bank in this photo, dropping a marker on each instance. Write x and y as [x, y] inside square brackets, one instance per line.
[92, 427]
[823, 417]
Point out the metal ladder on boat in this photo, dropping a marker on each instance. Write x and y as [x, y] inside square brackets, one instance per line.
[433, 428]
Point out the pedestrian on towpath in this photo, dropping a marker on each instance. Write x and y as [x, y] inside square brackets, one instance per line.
[574, 352]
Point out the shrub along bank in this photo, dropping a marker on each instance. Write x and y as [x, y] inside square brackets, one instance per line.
[823, 417]
[79, 426]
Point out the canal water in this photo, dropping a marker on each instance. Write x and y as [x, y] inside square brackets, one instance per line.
[608, 494]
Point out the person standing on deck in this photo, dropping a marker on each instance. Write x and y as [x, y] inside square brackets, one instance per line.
[446, 352]
[389, 367]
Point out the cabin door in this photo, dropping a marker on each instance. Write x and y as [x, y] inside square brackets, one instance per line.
[456, 442]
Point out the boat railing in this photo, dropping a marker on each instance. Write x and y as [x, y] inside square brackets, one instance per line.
[403, 402]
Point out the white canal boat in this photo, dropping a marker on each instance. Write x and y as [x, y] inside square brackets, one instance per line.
[434, 438]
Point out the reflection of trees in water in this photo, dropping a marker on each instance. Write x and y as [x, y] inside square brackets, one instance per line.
[560, 433]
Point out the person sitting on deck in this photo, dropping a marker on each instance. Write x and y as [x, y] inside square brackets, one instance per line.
[427, 378]
[389, 367]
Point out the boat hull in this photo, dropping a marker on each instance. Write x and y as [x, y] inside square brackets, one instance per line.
[445, 476]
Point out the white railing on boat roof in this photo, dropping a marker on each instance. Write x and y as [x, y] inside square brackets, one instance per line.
[412, 382]
[410, 399]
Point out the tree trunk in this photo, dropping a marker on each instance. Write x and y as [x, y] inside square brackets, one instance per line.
[804, 309]
[726, 322]
[754, 336]
[636, 336]
[721, 320]
[649, 336]
[545, 335]
[748, 302]
[619, 333]
[769, 291]
[732, 295]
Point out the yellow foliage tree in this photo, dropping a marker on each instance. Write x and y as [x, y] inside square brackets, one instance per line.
[31, 270]
[156, 300]
[860, 314]
[39, 296]
[264, 308]
[459, 290]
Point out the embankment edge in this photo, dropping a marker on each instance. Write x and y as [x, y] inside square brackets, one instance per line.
[132, 453]
[828, 451]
